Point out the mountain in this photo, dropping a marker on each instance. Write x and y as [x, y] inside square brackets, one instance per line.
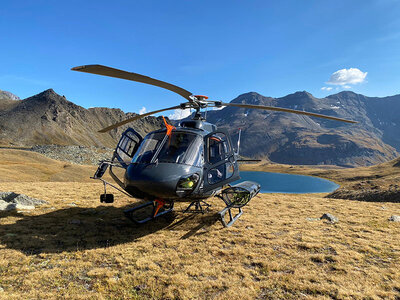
[48, 118]
[7, 100]
[296, 139]
[4, 95]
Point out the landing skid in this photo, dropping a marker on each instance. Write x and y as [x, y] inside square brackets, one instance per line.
[202, 207]
[130, 213]
[232, 218]
[196, 207]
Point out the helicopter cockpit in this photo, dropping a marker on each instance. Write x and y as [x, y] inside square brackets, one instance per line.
[178, 147]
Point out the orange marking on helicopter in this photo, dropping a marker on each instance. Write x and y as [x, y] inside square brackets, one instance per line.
[215, 139]
[169, 127]
[201, 96]
[160, 203]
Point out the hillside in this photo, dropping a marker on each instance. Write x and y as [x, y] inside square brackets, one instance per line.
[293, 139]
[48, 118]
[7, 100]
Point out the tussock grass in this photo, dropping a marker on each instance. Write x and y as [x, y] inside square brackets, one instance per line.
[92, 251]
[75, 248]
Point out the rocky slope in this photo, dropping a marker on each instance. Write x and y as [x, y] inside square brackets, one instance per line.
[7, 100]
[294, 139]
[48, 118]
[4, 95]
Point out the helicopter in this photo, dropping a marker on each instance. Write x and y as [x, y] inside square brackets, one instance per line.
[191, 162]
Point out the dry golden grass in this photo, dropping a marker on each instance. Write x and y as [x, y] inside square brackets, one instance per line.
[75, 248]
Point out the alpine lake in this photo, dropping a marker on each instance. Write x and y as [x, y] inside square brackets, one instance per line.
[288, 183]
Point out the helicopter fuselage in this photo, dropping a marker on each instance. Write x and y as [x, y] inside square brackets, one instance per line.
[193, 161]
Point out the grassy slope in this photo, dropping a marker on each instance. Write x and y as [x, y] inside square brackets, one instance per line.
[272, 251]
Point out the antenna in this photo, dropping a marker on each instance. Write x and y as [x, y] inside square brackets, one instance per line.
[238, 145]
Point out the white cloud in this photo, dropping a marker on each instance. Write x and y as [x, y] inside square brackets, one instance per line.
[346, 87]
[179, 114]
[345, 77]
[326, 88]
[142, 111]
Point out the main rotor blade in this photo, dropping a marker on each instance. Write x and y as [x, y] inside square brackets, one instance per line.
[135, 118]
[107, 71]
[299, 112]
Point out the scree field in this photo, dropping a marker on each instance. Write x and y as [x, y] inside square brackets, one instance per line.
[76, 248]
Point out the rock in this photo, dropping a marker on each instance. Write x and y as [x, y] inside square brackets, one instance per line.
[11, 201]
[313, 219]
[1, 289]
[20, 199]
[140, 287]
[394, 218]
[330, 218]
[5, 206]
[75, 222]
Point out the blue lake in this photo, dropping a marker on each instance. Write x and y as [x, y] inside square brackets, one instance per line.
[288, 183]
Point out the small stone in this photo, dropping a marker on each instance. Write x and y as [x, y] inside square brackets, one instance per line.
[72, 204]
[75, 222]
[330, 218]
[394, 218]
[1, 289]
[140, 287]
[313, 219]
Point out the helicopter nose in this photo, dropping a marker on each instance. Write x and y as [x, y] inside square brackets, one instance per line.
[157, 180]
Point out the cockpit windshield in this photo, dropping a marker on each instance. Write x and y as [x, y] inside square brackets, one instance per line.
[179, 147]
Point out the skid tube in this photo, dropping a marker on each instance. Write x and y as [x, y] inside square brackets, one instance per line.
[198, 208]
[232, 218]
[157, 204]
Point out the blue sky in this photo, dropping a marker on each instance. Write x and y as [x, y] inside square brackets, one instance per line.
[217, 48]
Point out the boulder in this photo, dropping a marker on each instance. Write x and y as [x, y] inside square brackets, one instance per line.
[394, 218]
[330, 218]
[11, 201]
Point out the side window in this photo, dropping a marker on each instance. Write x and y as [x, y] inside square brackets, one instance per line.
[218, 147]
[220, 173]
[127, 146]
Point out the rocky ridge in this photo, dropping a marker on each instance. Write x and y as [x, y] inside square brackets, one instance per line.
[50, 119]
[4, 95]
[296, 139]
[75, 154]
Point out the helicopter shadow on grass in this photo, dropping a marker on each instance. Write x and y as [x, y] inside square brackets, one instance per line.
[78, 228]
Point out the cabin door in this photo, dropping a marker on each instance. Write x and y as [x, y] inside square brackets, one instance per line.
[127, 147]
[219, 160]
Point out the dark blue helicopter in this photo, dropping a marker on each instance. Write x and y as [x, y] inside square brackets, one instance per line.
[190, 162]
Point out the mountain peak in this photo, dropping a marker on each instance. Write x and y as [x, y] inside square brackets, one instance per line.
[47, 96]
[345, 93]
[47, 93]
[300, 94]
[250, 98]
[5, 95]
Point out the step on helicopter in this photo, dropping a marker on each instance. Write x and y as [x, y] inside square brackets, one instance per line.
[191, 162]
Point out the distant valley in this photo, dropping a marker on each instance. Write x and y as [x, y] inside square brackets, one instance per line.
[48, 118]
